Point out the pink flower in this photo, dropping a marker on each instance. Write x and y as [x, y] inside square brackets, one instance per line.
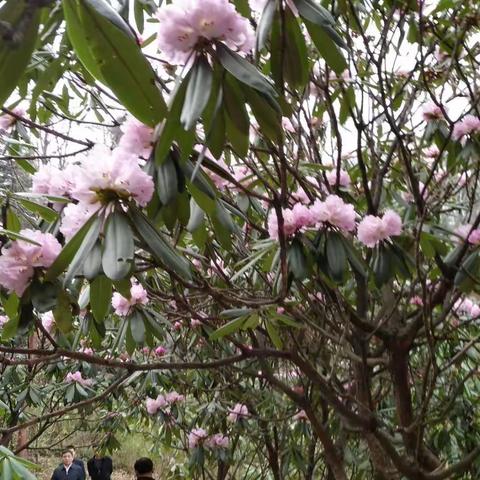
[301, 196]
[160, 351]
[300, 416]
[154, 405]
[431, 152]
[105, 173]
[238, 412]
[77, 377]
[3, 320]
[6, 120]
[302, 216]
[475, 311]
[217, 180]
[87, 350]
[466, 232]
[75, 215]
[288, 125]
[372, 230]
[194, 323]
[137, 138]
[416, 300]
[174, 397]
[196, 437]
[344, 180]
[48, 321]
[122, 305]
[335, 212]
[431, 111]
[19, 259]
[217, 441]
[50, 180]
[464, 306]
[177, 326]
[186, 25]
[468, 125]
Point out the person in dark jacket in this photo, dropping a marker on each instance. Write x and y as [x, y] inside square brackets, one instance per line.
[100, 468]
[68, 470]
[143, 469]
[77, 461]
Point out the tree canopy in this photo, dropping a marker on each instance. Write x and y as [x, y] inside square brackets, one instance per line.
[247, 229]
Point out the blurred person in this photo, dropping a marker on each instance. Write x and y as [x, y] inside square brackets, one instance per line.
[100, 468]
[68, 470]
[143, 469]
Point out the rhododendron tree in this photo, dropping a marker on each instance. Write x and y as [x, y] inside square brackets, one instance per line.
[247, 229]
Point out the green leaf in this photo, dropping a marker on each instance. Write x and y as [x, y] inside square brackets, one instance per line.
[92, 265]
[45, 212]
[70, 249]
[244, 71]
[100, 297]
[229, 328]
[16, 236]
[63, 312]
[382, 266]
[265, 24]
[469, 269]
[118, 247]
[327, 48]
[273, 334]
[197, 93]
[297, 262]
[197, 216]
[44, 295]
[267, 113]
[171, 125]
[137, 327]
[157, 246]
[311, 11]
[295, 56]
[336, 256]
[119, 59]
[13, 223]
[86, 245]
[167, 181]
[16, 49]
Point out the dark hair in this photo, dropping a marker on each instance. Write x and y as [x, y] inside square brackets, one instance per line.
[67, 450]
[70, 447]
[143, 465]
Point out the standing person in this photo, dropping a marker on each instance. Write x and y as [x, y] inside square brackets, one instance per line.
[68, 470]
[143, 469]
[100, 468]
[77, 461]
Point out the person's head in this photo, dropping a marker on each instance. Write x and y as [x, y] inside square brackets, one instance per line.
[143, 466]
[67, 457]
[72, 449]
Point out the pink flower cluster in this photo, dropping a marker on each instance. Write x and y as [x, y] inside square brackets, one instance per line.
[344, 180]
[3, 320]
[77, 377]
[122, 305]
[198, 436]
[467, 307]
[6, 121]
[238, 412]
[137, 138]
[300, 416]
[468, 125]
[372, 230]
[416, 300]
[431, 111]
[48, 321]
[333, 212]
[19, 260]
[50, 180]
[186, 25]
[467, 233]
[163, 401]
